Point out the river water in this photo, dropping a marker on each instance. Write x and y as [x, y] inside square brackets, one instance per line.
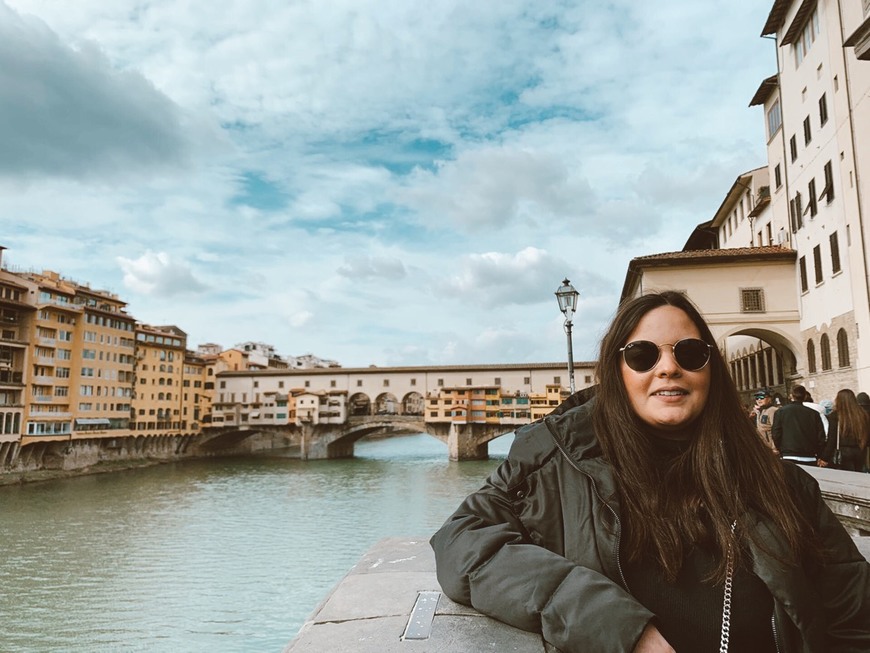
[223, 555]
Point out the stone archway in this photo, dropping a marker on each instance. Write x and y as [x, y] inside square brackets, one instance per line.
[387, 404]
[359, 405]
[760, 358]
[413, 404]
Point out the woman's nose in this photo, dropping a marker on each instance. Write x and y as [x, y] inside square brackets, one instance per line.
[667, 364]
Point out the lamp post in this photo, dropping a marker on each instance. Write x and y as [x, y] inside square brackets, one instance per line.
[567, 296]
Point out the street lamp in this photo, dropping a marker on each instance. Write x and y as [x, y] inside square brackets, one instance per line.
[567, 296]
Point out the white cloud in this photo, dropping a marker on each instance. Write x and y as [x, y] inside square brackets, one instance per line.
[155, 273]
[441, 166]
[369, 267]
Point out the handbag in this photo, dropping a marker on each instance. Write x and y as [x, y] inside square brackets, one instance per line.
[837, 458]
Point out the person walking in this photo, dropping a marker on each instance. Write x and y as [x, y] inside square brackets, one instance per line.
[765, 410]
[849, 426]
[798, 432]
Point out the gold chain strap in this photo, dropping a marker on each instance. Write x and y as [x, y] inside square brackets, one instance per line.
[726, 600]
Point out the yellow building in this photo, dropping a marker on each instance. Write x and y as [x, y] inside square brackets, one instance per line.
[159, 398]
[16, 316]
[542, 404]
[195, 402]
[81, 356]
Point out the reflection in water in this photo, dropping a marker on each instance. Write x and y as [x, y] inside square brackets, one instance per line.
[221, 555]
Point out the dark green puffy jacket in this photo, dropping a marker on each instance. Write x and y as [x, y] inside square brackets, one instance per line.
[538, 548]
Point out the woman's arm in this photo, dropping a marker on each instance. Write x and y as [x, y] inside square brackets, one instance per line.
[486, 558]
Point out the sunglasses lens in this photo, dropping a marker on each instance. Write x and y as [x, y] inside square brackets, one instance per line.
[640, 355]
[692, 354]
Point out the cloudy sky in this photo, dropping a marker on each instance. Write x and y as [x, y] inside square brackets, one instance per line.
[372, 181]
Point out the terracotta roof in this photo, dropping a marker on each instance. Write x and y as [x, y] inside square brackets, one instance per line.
[409, 368]
[731, 255]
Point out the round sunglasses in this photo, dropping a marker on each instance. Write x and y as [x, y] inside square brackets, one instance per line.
[691, 354]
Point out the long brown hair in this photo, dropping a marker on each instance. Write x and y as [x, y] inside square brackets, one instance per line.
[853, 423]
[725, 471]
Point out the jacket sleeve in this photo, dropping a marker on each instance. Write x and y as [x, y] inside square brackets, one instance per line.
[843, 580]
[820, 434]
[486, 558]
[776, 431]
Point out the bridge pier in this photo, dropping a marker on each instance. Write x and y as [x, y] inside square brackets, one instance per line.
[471, 441]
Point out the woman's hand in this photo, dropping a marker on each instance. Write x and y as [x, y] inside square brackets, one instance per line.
[821, 463]
[651, 641]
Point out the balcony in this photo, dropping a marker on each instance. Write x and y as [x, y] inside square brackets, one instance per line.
[48, 342]
[11, 378]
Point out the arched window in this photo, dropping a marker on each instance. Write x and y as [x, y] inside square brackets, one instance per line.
[825, 346]
[168, 396]
[160, 396]
[811, 356]
[843, 348]
[162, 368]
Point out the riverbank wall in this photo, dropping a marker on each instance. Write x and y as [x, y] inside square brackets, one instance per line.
[44, 461]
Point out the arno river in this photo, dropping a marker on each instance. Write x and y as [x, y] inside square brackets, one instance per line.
[221, 556]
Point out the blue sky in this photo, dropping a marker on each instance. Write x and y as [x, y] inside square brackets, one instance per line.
[388, 183]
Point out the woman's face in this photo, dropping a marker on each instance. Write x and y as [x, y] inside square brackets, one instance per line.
[667, 397]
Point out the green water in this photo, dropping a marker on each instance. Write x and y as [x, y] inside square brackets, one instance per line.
[222, 555]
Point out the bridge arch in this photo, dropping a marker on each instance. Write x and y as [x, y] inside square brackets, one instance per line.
[386, 404]
[359, 404]
[413, 404]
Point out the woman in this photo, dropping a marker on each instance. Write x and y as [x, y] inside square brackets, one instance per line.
[849, 425]
[615, 525]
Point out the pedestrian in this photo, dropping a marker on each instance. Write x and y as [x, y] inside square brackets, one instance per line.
[809, 402]
[798, 432]
[765, 410]
[847, 436]
[651, 517]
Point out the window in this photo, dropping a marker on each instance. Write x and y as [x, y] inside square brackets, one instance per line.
[806, 38]
[386, 383]
[467, 381]
[817, 263]
[497, 380]
[777, 175]
[823, 110]
[359, 383]
[808, 134]
[797, 215]
[842, 348]
[527, 380]
[256, 383]
[828, 190]
[440, 383]
[280, 384]
[803, 270]
[332, 383]
[774, 119]
[825, 347]
[752, 300]
[835, 253]
[557, 379]
[769, 234]
[813, 205]
[792, 144]
[223, 384]
[811, 356]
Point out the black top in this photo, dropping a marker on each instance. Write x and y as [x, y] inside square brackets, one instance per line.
[689, 610]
